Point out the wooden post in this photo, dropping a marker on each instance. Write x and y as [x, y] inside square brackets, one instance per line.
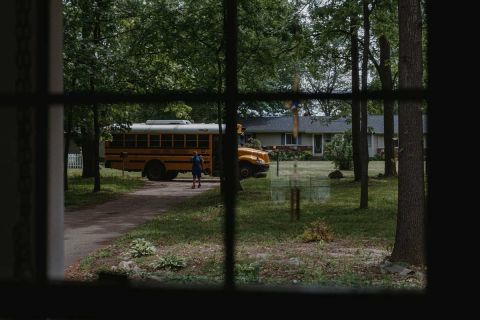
[297, 204]
[278, 156]
[292, 201]
[123, 155]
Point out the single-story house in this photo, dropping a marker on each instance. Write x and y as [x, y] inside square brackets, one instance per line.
[315, 132]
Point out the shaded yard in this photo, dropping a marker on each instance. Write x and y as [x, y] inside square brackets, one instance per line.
[269, 249]
[113, 185]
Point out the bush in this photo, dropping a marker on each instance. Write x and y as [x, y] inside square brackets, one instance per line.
[141, 247]
[290, 155]
[340, 151]
[247, 272]
[377, 157]
[253, 143]
[317, 231]
[170, 262]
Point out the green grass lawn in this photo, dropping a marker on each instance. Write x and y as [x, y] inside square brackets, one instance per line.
[269, 250]
[112, 185]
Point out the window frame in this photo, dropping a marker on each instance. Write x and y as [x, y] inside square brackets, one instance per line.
[44, 99]
[289, 134]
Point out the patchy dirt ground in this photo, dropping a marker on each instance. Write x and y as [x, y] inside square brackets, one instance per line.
[337, 263]
[94, 227]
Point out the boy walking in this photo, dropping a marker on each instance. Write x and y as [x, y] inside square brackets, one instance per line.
[197, 168]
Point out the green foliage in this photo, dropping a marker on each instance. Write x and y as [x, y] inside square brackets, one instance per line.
[254, 143]
[80, 193]
[340, 151]
[169, 262]
[287, 155]
[266, 234]
[140, 247]
[317, 231]
[377, 157]
[247, 272]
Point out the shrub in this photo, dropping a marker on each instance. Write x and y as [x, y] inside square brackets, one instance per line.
[317, 231]
[141, 247]
[169, 262]
[377, 157]
[285, 155]
[340, 152]
[247, 272]
[254, 143]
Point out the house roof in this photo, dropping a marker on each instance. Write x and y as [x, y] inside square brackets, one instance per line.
[314, 124]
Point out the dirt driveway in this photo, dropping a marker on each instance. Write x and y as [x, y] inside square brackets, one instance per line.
[89, 229]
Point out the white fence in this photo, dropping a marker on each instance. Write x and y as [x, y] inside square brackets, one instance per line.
[75, 160]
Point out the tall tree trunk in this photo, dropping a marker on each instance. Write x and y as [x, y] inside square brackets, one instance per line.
[220, 133]
[96, 124]
[87, 144]
[387, 85]
[96, 139]
[87, 137]
[409, 238]
[68, 131]
[363, 109]
[355, 103]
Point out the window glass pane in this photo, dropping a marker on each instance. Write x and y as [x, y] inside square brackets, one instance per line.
[130, 140]
[191, 140]
[179, 140]
[141, 140]
[117, 140]
[154, 140]
[203, 141]
[167, 141]
[289, 139]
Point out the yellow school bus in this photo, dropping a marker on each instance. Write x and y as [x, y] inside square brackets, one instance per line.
[161, 149]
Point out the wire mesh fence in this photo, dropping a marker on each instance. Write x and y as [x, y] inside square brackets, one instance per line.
[312, 188]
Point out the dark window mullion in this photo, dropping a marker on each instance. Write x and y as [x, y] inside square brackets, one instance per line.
[230, 149]
[41, 136]
[7, 99]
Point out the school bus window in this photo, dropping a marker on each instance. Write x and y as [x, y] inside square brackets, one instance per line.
[167, 141]
[130, 140]
[141, 140]
[117, 140]
[191, 140]
[203, 141]
[178, 140]
[154, 140]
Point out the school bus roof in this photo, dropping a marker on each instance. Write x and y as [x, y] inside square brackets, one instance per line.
[193, 128]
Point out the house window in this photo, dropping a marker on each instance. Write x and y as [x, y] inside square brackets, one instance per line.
[395, 142]
[328, 138]
[290, 139]
[369, 140]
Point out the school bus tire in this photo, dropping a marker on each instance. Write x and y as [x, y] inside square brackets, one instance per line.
[171, 175]
[155, 170]
[245, 170]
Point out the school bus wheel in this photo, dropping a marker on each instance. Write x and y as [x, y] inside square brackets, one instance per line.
[155, 170]
[245, 170]
[171, 175]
